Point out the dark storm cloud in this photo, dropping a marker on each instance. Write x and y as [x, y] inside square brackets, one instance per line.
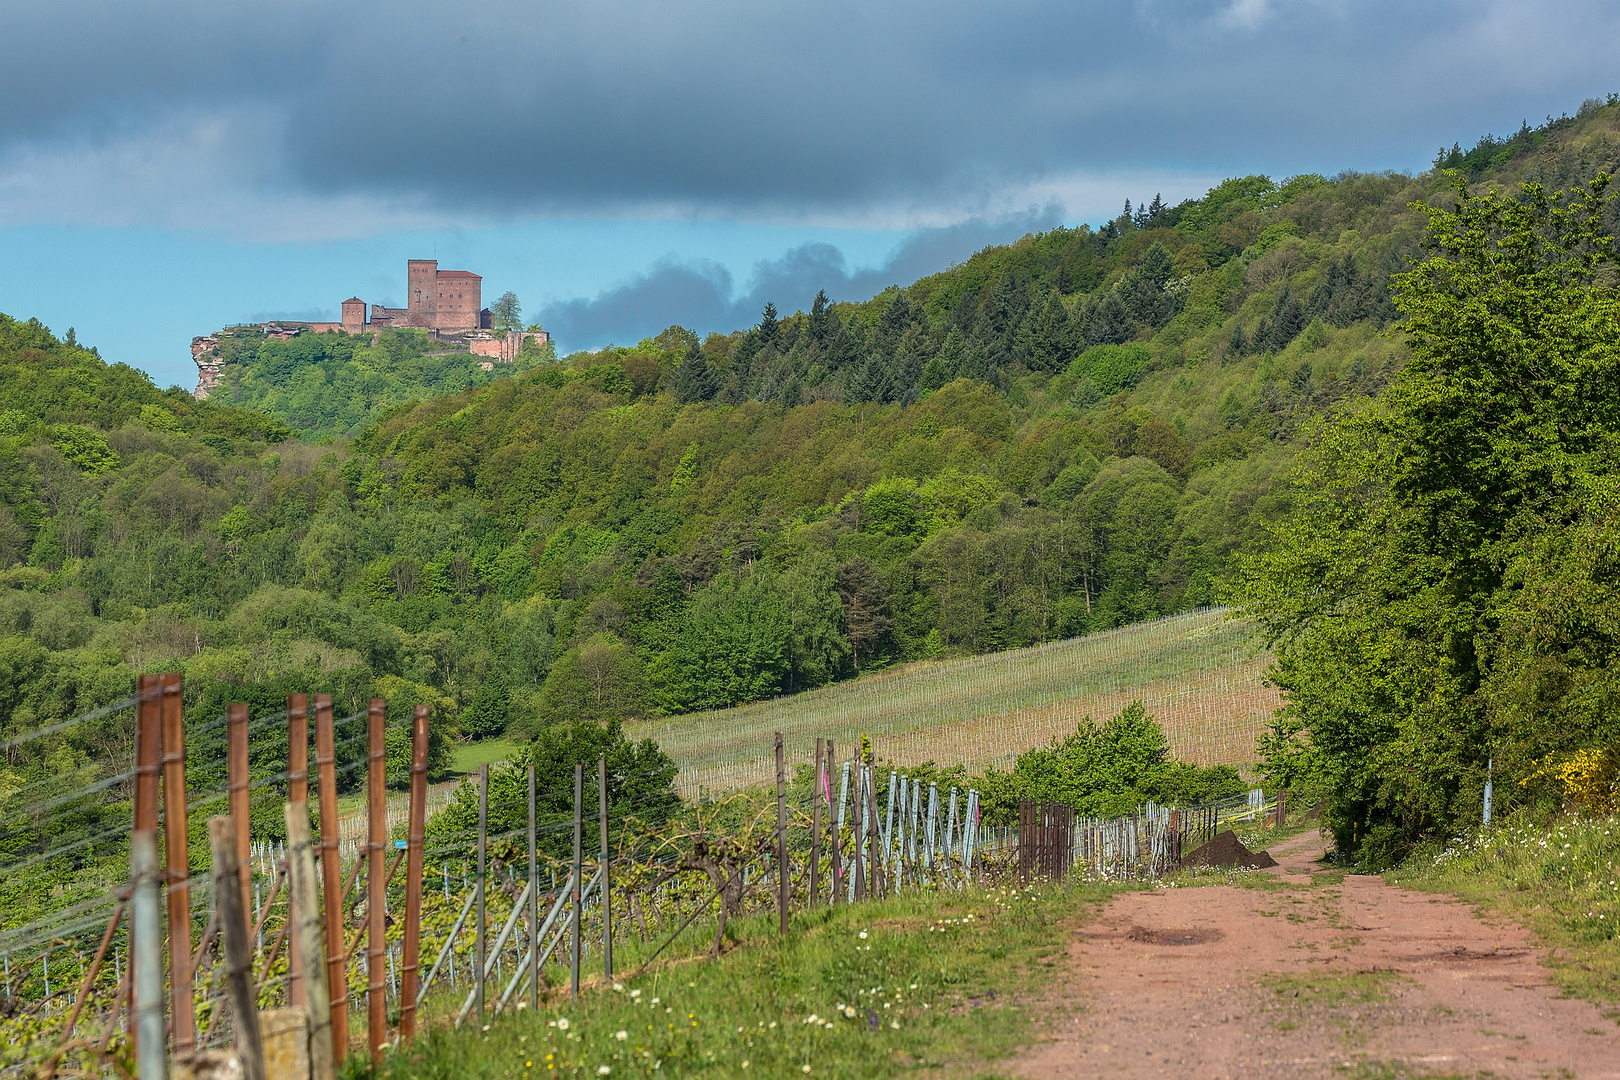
[793, 109]
[703, 295]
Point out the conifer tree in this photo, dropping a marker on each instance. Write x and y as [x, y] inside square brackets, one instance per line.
[694, 379]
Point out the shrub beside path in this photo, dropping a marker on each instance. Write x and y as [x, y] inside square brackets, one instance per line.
[1299, 971]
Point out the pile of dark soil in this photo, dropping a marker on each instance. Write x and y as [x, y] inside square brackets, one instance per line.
[1226, 850]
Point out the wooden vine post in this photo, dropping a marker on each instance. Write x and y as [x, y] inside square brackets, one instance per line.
[236, 782]
[837, 868]
[534, 902]
[177, 842]
[479, 960]
[337, 968]
[376, 881]
[298, 794]
[607, 893]
[815, 827]
[579, 862]
[415, 830]
[781, 839]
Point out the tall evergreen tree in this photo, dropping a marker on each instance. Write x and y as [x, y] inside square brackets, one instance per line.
[1052, 337]
[821, 317]
[694, 378]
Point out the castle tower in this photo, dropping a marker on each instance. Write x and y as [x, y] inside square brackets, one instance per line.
[458, 300]
[354, 315]
[422, 291]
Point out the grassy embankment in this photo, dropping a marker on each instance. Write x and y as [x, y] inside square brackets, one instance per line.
[1560, 878]
[871, 990]
[1199, 674]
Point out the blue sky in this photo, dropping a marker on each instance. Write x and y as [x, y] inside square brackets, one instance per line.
[168, 167]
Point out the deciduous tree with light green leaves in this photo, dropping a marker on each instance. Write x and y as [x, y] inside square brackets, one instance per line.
[1442, 594]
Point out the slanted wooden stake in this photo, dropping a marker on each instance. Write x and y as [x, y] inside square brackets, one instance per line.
[238, 949]
[307, 931]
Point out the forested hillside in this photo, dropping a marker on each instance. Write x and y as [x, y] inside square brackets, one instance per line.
[322, 385]
[1063, 434]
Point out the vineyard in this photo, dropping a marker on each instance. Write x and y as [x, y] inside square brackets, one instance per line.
[151, 943]
[1200, 675]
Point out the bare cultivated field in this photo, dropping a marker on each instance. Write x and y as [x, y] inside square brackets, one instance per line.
[1199, 674]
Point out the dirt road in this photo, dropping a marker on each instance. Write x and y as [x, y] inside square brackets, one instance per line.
[1303, 978]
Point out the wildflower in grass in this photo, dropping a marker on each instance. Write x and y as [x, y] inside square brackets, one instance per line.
[862, 935]
[621, 1035]
[603, 1070]
[562, 1023]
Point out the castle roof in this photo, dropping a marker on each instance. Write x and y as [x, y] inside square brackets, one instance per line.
[460, 274]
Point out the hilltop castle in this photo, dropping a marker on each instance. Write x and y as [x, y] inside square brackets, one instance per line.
[446, 303]
[434, 300]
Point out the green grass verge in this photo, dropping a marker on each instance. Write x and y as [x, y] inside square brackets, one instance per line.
[1561, 879]
[871, 990]
[468, 756]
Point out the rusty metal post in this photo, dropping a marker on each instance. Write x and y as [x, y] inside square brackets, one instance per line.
[183, 1017]
[236, 783]
[376, 883]
[337, 968]
[410, 954]
[298, 795]
[148, 767]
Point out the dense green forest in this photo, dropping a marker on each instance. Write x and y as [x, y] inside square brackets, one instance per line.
[1070, 432]
[1443, 595]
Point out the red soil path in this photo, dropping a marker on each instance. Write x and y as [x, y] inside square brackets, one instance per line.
[1185, 983]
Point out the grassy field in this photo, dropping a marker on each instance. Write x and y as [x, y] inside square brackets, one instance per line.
[1200, 674]
[873, 990]
[465, 762]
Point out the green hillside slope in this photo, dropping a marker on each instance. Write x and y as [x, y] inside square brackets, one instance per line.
[323, 385]
[1062, 435]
